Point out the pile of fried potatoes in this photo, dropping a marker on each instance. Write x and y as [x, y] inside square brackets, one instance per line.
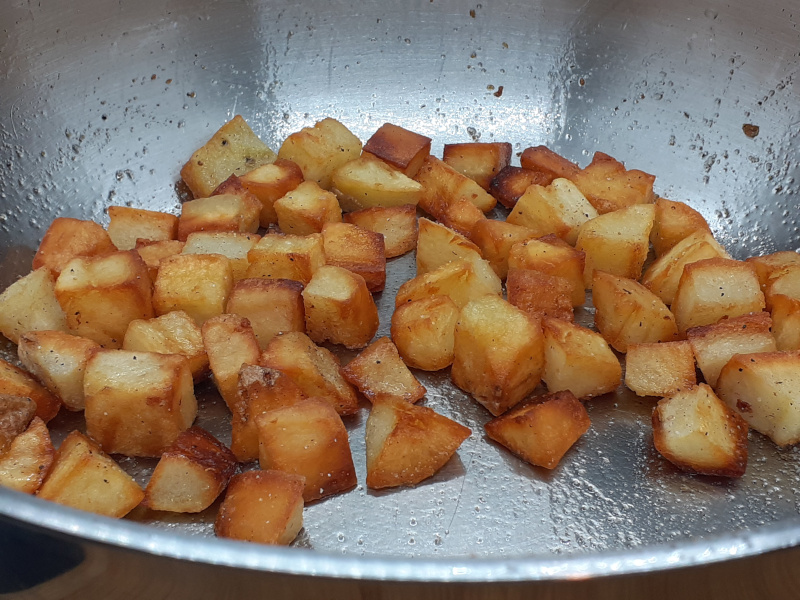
[122, 322]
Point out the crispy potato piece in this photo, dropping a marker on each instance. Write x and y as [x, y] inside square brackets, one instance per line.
[270, 182]
[84, 477]
[406, 444]
[126, 225]
[153, 253]
[101, 295]
[539, 294]
[617, 242]
[279, 256]
[714, 288]
[339, 308]
[773, 265]
[68, 238]
[173, 333]
[541, 430]
[262, 506]
[368, 181]
[714, 345]
[763, 389]
[495, 240]
[442, 185]
[306, 209]
[698, 433]
[785, 284]
[627, 313]
[358, 250]
[16, 382]
[674, 221]
[399, 147]
[609, 186]
[511, 182]
[498, 353]
[480, 161]
[198, 284]
[579, 360]
[423, 332]
[230, 343]
[320, 149]
[192, 472]
[559, 208]
[548, 256]
[378, 372]
[315, 370]
[307, 439]
[660, 369]
[58, 360]
[234, 149]
[397, 224]
[232, 245]
[16, 413]
[223, 212]
[457, 279]
[24, 465]
[273, 306]
[543, 160]
[30, 304]
[137, 403]
[786, 322]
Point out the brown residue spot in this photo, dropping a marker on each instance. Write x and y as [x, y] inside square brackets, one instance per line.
[750, 130]
[743, 406]
[472, 13]
[499, 92]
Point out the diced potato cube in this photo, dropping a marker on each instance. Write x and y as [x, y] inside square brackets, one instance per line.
[457, 279]
[714, 288]
[674, 222]
[786, 284]
[315, 370]
[763, 388]
[609, 186]
[16, 382]
[548, 256]
[541, 430]
[67, 238]
[617, 242]
[84, 477]
[378, 372]
[397, 224]
[153, 253]
[539, 294]
[16, 413]
[224, 212]
[714, 345]
[24, 465]
[173, 333]
[544, 160]
[306, 209]
[480, 161]
[58, 360]
[579, 360]
[559, 208]
[460, 215]
[273, 306]
[786, 322]
[270, 182]
[320, 149]
[368, 181]
[262, 506]
[137, 402]
[234, 149]
[399, 147]
[406, 444]
[357, 250]
[773, 265]
[495, 240]
[443, 184]
[278, 256]
[192, 472]
[30, 304]
[198, 284]
[627, 313]
[511, 182]
[126, 225]
[660, 369]
[423, 332]
[233, 246]
[697, 432]
[498, 354]
[339, 308]
[307, 439]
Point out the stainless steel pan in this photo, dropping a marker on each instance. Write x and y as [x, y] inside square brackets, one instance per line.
[101, 103]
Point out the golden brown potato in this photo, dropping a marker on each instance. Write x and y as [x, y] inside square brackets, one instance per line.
[126, 225]
[68, 238]
[786, 322]
[423, 332]
[270, 182]
[84, 477]
[457, 279]
[358, 250]
[660, 369]
[279, 256]
[378, 372]
[609, 186]
[697, 432]
[369, 182]
[16, 382]
[198, 284]
[549, 256]
[443, 184]
[460, 215]
[773, 265]
[540, 295]
[223, 212]
[273, 306]
[137, 403]
[511, 182]
[307, 439]
[306, 209]
[232, 245]
[153, 253]
[674, 221]
[27, 461]
[786, 283]
[406, 444]
[495, 240]
[16, 413]
[498, 353]
[480, 161]
[191, 473]
[397, 224]
[543, 160]
[262, 506]
[399, 147]
[541, 430]
[30, 304]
